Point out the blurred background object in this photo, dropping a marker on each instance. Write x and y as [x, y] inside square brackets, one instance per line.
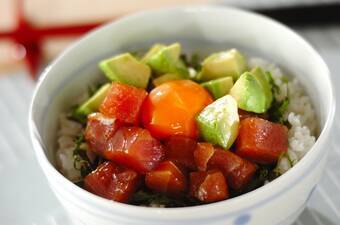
[52, 25]
[32, 32]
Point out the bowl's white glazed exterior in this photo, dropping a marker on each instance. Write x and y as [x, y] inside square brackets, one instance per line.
[278, 202]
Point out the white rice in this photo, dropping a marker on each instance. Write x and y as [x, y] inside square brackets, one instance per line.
[67, 133]
[300, 115]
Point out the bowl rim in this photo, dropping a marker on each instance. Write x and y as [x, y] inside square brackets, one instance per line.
[231, 206]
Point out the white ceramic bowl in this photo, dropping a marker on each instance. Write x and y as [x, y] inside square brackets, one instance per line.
[279, 202]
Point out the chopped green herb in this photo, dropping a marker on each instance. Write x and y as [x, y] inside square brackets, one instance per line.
[80, 118]
[285, 79]
[92, 89]
[194, 61]
[79, 139]
[138, 54]
[277, 110]
[262, 175]
[275, 88]
[81, 161]
[80, 183]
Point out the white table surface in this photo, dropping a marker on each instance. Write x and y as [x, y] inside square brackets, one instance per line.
[25, 198]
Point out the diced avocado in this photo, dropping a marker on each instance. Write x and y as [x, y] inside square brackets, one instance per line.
[126, 69]
[265, 81]
[223, 64]
[218, 122]
[166, 59]
[219, 87]
[166, 77]
[153, 50]
[252, 92]
[92, 104]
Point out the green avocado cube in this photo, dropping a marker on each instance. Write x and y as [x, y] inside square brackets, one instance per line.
[153, 50]
[92, 104]
[126, 69]
[252, 92]
[265, 81]
[219, 87]
[218, 123]
[223, 64]
[166, 59]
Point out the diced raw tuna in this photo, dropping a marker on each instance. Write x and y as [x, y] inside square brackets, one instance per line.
[112, 182]
[166, 178]
[135, 148]
[261, 141]
[237, 170]
[202, 155]
[123, 102]
[209, 186]
[99, 130]
[180, 150]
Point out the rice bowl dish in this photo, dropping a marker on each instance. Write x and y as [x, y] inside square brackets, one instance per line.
[204, 29]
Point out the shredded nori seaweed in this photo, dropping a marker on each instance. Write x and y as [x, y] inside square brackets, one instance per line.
[77, 117]
[278, 108]
[81, 161]
[92, 89]
[263, 174]
[146, 197]
[193, 61]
